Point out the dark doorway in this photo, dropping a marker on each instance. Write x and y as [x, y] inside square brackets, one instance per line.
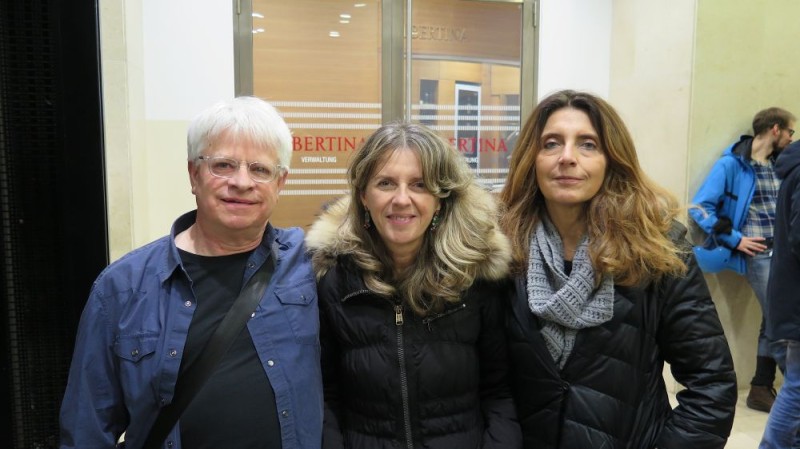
[52, 204]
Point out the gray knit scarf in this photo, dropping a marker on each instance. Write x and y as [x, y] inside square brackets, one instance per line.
[564, 303]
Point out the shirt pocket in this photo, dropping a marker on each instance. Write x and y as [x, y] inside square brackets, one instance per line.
[299, 304]
[137, 362]
[134, 348]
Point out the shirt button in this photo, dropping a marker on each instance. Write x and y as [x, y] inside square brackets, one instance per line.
[134, 353]
[253, 315]
[188, 303]
[173, 353]
[170, 444]
[285, 413]
[270, 363]
[251, 265]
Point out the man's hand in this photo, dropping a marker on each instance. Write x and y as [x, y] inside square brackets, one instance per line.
[751, 245]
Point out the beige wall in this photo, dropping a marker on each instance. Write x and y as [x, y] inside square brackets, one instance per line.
[744, 61]
[147, 184]
[651, 67]
[122, 114]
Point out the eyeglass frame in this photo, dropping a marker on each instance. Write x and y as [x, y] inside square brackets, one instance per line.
[791, 131]
[279, 169]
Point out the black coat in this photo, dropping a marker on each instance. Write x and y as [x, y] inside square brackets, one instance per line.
[611, 393]
[782, 310]
[389, 374]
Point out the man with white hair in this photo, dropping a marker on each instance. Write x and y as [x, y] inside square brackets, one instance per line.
[207, 337]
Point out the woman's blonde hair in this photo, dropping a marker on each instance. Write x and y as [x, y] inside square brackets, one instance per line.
[452, 256]
[629, 219]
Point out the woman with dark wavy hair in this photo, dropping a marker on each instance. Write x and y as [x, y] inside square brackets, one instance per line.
[607, 291]
[410, 270]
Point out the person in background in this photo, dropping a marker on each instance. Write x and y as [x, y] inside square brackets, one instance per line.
[411, 267]
[150, 314]
[607, 291]
[782, 309]
[736, 205]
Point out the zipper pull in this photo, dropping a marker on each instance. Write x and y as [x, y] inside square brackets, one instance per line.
[398, 315]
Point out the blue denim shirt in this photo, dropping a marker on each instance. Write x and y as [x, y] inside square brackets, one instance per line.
[133, 330]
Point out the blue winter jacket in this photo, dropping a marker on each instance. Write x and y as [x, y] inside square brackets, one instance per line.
[727, 192]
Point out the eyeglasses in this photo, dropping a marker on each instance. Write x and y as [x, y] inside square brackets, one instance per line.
[791, 131]
[225, 167]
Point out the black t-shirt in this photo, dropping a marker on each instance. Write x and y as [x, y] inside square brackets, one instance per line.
[236, 408]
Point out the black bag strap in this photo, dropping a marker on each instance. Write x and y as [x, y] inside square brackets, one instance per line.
[193, 379]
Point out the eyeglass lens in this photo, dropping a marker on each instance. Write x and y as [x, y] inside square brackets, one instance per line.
[227, 168]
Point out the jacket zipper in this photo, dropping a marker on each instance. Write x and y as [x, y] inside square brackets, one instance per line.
[429, 320]
[401, 356]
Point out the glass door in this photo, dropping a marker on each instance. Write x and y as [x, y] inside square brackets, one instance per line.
[337, 69]
[319, 63]
[465, 78]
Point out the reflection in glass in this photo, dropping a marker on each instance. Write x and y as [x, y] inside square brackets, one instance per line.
[318, 62]
[465, 71]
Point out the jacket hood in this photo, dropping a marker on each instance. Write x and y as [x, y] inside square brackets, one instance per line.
[742, 148]
[788, 160]
[331, 236]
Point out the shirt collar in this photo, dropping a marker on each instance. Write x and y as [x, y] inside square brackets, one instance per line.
[185, 221]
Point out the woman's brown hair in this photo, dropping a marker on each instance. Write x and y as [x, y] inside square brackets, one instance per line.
[627, 221]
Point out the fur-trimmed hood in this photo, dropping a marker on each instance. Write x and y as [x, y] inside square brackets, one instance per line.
[331, 236]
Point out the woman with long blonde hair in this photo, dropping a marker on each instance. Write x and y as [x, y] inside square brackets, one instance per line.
[411, 268]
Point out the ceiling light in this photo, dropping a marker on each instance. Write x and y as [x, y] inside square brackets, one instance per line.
[359, 5]
[344, 21]
[344, 16]
[258, 15]
[333, 34]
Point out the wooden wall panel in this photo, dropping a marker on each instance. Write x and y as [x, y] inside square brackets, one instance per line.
[490, 30]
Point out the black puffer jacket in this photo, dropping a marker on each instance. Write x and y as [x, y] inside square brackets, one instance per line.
[611, 393]
[783, 306]
[395, 380]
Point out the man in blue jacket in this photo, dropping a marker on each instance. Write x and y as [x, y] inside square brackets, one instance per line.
[737, 207]
[783, 305]
[150, 314]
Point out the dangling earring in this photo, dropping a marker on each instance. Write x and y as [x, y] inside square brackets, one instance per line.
[367, 223]
[435, 221]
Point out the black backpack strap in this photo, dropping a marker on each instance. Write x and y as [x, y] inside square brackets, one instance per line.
[216, 348]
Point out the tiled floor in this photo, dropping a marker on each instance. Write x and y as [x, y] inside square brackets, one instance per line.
[748, 425]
